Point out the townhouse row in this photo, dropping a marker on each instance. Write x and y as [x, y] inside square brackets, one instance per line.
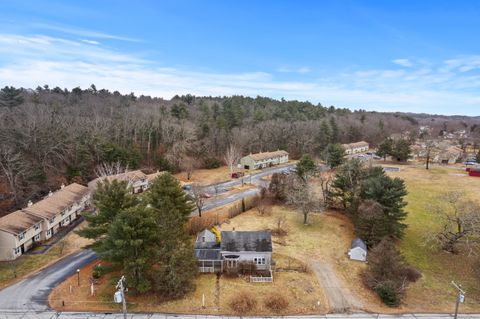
[38, 222]
[23, 229]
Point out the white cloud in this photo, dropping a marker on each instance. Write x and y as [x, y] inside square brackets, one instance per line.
[90, 41]
[82, 32]
[403, 62]
[29, 61]
[300, 70]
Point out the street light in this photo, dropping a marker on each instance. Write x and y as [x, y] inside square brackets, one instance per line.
[78, 277]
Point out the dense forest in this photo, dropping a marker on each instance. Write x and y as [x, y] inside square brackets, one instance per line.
[53, 136]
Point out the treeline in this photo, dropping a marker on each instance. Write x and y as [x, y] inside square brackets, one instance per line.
[53, 135]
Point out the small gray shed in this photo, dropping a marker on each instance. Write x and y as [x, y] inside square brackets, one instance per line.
[358, 250]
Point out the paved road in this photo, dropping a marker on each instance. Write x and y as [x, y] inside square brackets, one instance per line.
[32, 293]
[254, 179]
[79, 315]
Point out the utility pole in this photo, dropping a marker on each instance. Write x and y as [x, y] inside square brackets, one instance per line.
[122, 294]
[460, 297]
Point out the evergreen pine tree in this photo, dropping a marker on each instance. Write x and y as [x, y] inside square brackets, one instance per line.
[305, 167]
[10, 97]
[385, 148]
[110, 198]
[334, 155]
[130, 244]
[175, 264]
[389, 193]
[335, 134]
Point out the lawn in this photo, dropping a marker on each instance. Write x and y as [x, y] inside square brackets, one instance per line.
[28, 264]
[434, 291]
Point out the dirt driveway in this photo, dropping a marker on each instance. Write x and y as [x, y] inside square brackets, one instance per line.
[340, 298]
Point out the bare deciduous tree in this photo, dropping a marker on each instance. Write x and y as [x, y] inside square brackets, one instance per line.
[280, 221]
[198, 197]
[232, 156]
[12, 168]
[301, 196]
[325, 181]
[107, 169]
[461, 222]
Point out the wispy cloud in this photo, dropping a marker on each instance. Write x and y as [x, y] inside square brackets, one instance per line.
[82, 32]
[300, 70]
[403, 62]
[440, 87]
[90, 41]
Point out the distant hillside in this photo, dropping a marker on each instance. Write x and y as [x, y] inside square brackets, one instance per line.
[50, 136]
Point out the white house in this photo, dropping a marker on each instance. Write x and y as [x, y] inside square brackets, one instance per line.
[234, 248]
[265, 159]
[354, 148]
[358, 250]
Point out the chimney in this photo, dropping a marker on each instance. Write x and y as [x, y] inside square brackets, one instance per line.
[29, 203]
[62, 186]
[50, 193]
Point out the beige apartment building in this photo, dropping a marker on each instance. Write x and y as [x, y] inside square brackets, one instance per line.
[39, 221]
[354, 148]
[265, 159]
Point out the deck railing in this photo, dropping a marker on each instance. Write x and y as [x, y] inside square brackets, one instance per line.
[206, 269]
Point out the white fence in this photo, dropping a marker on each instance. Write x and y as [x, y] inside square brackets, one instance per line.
[261, 279]
[206, 269]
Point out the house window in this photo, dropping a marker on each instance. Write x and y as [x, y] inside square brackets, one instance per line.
[17, 251]
[37, 237]
[36, 227]
[203, 239]
[63, 213]
[51, 220]
[259, 260]
[21, 236]
[49, 232]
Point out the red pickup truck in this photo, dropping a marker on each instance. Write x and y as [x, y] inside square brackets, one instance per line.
[237, 174]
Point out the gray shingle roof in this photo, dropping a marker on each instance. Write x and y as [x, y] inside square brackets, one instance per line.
[207, 254]
[357, 242]
[246, 241]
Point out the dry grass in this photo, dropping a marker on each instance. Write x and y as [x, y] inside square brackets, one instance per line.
[29, 264]
[300, 289]
[433, 292]
[215, 175]
[206, 176]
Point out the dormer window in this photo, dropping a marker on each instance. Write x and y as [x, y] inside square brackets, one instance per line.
[203, 239]
[21, 236]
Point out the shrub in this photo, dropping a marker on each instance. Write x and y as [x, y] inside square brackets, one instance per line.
[276, 302]
[212, 163]
[96, 274]
[388, 293]
[243, 302]
[412, 274]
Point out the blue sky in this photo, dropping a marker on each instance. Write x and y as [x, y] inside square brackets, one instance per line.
[412, 56]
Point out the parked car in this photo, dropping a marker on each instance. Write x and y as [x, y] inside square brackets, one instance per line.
[186, 187]
[470, 163]
[237, 174]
